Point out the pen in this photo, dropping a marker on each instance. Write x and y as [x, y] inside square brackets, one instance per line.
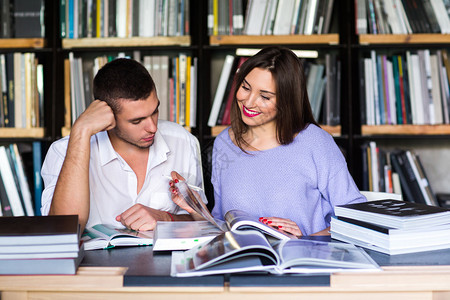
[195, 188]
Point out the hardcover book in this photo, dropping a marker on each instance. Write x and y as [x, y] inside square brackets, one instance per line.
[104, 236]
[39, 230]
[395, 213]
[250, 251]
[390, 240]
[28, 17]
[55, 265]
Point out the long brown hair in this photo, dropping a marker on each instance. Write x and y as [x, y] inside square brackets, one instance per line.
[293, 108]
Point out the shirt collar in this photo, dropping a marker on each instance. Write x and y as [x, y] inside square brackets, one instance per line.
[105, 148]
[158, 151]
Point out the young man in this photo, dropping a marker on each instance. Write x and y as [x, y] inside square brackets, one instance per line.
[113, 168]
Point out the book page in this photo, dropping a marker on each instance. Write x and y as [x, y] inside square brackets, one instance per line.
[240, 220]
[301, 253]
[229, 246]
[195, 200]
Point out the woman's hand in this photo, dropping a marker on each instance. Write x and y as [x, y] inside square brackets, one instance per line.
[282, 224]
[178, 199]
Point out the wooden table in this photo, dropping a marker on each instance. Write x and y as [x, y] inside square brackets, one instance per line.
[139, 273]
[418, 282]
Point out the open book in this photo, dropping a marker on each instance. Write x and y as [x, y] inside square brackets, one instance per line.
[185, 235]
[250, 251]
[104, 236]
[234, 219]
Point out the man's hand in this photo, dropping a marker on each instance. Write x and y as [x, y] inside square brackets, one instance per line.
[178, 200]
[140, 217]
[97, 117]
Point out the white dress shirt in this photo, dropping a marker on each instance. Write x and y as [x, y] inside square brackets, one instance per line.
[113, 184]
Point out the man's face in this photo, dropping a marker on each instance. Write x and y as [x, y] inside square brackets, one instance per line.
[137, 121]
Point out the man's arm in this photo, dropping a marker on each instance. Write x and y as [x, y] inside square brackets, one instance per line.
[71, 194]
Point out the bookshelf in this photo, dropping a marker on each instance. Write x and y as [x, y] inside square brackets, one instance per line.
[430, 141]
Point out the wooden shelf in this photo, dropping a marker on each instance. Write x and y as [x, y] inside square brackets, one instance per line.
[126, 42]
[421, 38]
[22, 132]
[22, 43]
[405, 129]
[216, 40]
[333, 130]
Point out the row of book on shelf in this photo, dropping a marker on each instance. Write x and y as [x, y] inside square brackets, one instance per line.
[323, 82]
[269, 17]
[22, 19]
[175, 78]
[123, 18]
[411, 87]
[22, 90]
[402, 16]
[19, 195]
[396, 171]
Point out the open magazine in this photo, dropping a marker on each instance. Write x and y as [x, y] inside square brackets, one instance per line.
[250, 251]
[234, 219]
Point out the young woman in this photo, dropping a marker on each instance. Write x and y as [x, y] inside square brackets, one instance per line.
[275, 162]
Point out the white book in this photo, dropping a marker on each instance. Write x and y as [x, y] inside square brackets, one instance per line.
[402, 15]
[193, 82]
[412, 95]
[361, 19]
[256, 10]
[436, 89]
[182, 88]
[375, 171]
[269, 22]
[392, 17]
[441, 15]
[18, 82]
[375, 87]
[147, 18]
[295, 16]
[370, 102]
[391, 91]
[10, 185]
[121, 18]
[283, 18]
[396, 186]
[417, 90]
[220, 91]
[444, 87]
[427, 85]
[23, 182]
[310, 16]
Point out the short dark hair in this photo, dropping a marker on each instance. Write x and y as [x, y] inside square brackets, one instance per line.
[294, 111]
[122, 78]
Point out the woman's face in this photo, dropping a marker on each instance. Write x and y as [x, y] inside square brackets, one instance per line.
[257, 98]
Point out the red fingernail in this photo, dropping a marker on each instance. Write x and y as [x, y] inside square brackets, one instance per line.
[270, 222]
[279, 226]
[261, 218]
[175, 180]
[171, 183]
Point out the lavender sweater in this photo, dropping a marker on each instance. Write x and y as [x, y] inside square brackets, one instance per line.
[301, 181]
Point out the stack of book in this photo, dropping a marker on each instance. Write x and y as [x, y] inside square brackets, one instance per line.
[392, 226]
[40, 245]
